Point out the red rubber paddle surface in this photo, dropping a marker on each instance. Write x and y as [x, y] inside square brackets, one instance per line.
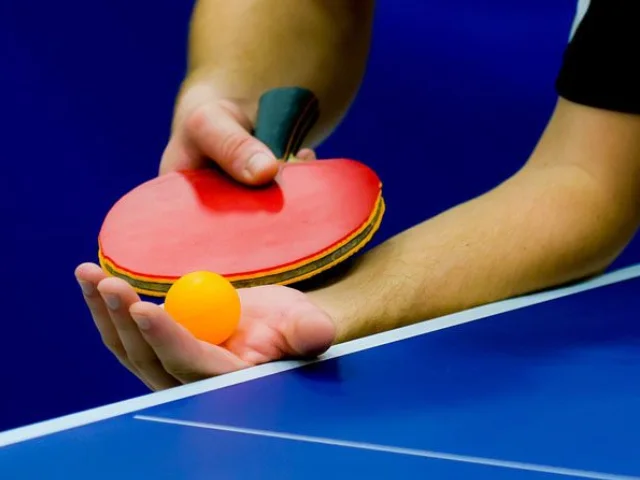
[202, 220]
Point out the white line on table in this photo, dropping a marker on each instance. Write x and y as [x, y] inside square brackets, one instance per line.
[93, 415]
[391, 449]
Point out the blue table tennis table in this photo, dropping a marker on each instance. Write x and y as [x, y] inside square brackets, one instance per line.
[538, 387]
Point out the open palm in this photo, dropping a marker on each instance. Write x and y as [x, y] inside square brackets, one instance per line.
[277, 322]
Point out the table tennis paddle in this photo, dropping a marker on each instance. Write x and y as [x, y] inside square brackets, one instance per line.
[317, 214]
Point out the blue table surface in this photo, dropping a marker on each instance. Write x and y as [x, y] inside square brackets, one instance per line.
[553, 384]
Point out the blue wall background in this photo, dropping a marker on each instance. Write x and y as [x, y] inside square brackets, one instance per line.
[456, 95]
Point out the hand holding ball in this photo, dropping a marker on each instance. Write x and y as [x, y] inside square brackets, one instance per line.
[206, 304]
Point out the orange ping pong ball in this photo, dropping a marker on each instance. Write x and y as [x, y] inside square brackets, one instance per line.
[206, 304]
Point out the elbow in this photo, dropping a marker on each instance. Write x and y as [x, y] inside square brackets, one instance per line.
[593, 225]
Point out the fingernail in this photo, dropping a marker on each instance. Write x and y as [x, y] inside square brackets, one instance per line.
[87, 288]
[141, 321]
[258, 163]
[112, 301]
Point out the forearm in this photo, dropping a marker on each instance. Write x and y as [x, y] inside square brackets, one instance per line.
[243, 47]
[528, 234]
[551, 223]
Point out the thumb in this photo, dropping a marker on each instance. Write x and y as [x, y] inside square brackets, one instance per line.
[309, 332]
[216, 131]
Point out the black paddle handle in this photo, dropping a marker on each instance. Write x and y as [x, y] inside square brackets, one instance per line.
[285, 117]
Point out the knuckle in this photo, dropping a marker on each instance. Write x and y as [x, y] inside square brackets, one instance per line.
[115, 347]
[142, 364]
[226, 145]
[197, 119]
[233, 145]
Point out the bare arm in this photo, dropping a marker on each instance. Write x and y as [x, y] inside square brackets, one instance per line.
[241, 48]
[565, 215]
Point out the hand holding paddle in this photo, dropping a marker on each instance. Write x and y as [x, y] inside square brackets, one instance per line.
[276, 322]
[209, 129]
[317, 215]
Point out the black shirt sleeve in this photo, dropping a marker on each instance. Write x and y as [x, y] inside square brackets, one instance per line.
[601, 65]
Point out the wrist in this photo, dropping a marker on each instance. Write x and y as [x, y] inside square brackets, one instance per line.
[342, 307]
[369, 298]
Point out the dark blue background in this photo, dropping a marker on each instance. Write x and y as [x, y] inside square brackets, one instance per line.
[456, 95]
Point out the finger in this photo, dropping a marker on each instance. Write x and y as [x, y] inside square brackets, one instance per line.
[177, 156]
[306, 155]
[309, 332]
[118, 296]
[89, 276]
[216, 131]
[184, 356]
